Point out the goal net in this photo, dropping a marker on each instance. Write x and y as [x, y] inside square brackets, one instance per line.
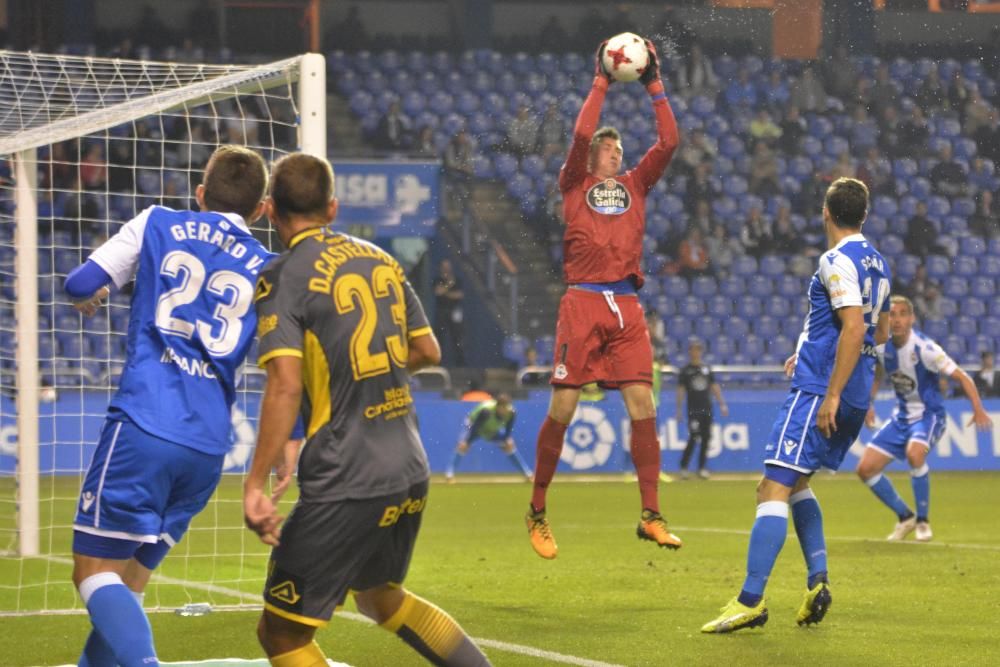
[85, 145]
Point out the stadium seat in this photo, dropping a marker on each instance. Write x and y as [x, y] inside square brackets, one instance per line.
[675, 286]
[708, 327]
[515, 348]
[765, 327]
[777, 306]
[760, 286]
[983, 287]
[691, 306]
[749, 308]
[772, 265]
[938, 266]
[664, 305]
[980, 343]
[936, 329]
[703, 287]
[949, 307]
[752, 346]
[973, 306]
[891, 245]
[971, 247]
[722, 346]
[965, 326]
[744, 265]
[678, 327]
[954, 346]
[720, 306]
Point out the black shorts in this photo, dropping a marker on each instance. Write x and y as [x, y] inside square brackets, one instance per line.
[329, 549]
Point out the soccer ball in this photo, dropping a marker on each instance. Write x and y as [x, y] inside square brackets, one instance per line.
[625, 56]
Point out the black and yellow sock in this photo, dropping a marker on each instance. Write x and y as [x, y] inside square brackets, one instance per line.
[309, 655]
[434, 634]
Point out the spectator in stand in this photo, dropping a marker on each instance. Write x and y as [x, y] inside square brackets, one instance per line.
[553, 37]
[786, 240]
[914, 133]
[948, 177]
[121, 173]
[700, 187]
[702, 218]
[876, 172]
[793, 128]
[807, 93]
[522, 131]
[741, 94]
[977, 113]
[722, 250]
[756, 234]
[985, 221]
[958, 94]
[62, 170]
[840, 74]
[864, 130]
[458, 171]
[672, 29]
[424, 146]
[987, 138]
[448, 314]
[692, 255]
[763, 128]
[657, 334]
[697, 150]
[844, 167]
[551, 133]
[775, 92]
[981, 175]
[94, 168]
[932, 94]
[393, 129]
[763, 170]
[889, 133]
[695, 75]
[913, 287]
[987, 379]
[883, 93]
[921, 234]
[349, 34]
[928, 305]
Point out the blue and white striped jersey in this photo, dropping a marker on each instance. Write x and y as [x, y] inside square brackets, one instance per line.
[192, 320]
[915, 369]
[851, 274]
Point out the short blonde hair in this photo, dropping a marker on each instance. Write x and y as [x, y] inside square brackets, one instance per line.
[899, 298]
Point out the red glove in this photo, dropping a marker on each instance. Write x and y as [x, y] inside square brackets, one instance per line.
[652, 71]
[599, 68]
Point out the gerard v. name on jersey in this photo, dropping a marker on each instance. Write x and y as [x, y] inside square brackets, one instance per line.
[202, 231]
[609, 197]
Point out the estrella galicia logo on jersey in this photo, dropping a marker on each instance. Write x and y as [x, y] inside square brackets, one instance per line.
[590, 439]
[902, 383]
[609, 197]
[285, 592]
[263, 289]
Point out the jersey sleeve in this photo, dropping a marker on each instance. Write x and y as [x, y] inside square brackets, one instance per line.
[119, 255]
[936, 359]
[655, 161]
[416, 319]
[840, 278]
[280, 326]
[574, 170]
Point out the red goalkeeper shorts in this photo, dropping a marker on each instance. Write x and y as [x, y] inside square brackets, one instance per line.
[601, 337]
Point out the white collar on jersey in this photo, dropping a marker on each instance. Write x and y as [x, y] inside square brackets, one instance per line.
[850, 239]
[236, 219]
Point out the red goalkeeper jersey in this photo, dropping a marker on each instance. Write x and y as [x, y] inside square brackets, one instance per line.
[606, 219]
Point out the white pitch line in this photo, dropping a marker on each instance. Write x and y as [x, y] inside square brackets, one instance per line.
[519, 649]
[848, 538]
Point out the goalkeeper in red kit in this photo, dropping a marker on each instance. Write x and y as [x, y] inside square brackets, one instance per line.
[601, 335]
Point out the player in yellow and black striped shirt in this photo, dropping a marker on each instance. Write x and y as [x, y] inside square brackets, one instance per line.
[337, 317]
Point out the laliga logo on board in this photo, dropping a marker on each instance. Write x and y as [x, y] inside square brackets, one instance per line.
[243, 442]
[589, 439]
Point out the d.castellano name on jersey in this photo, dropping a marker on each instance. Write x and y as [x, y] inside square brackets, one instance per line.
[344, 306]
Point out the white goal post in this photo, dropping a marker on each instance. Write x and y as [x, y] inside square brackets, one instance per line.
[85, 144]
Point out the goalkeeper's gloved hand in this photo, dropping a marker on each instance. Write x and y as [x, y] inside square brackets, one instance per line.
[652, 71]
[599, 68]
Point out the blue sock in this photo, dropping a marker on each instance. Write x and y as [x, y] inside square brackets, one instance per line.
[921, 480]
[455, 459]
[886, 492]
[96, 652]
[766, 540]
[518, 461]
[808, 520]
[117, 615]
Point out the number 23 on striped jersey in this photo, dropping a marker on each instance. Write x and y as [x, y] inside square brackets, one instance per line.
[352, 292]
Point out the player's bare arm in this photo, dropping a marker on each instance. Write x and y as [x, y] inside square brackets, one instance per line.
[278, 411]
[980, 418]
[870, 416]
[852, 338]
[88, 306]
[717, 393]
[424, 351]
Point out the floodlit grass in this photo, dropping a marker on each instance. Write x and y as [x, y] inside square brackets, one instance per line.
[608, 597]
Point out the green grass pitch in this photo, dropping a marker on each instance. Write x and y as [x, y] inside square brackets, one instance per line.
[608, 597]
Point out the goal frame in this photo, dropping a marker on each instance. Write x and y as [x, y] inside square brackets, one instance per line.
[311, 99]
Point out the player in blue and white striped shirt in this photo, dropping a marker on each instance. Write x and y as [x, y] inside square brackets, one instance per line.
[823, 414]
[918, 369]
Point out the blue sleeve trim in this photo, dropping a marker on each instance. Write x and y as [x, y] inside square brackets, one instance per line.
[658, 97]
[86, 279]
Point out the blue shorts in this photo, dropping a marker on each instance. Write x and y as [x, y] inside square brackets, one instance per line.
[895, 435]
[140, 490]
[796, 443]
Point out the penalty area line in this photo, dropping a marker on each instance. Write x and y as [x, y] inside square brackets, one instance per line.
[506, 647]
